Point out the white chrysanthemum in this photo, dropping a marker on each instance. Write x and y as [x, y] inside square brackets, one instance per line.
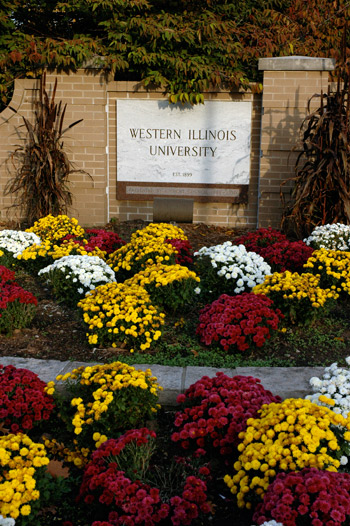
[87, 271]
[15, 241]
[271, 523]
[7, 521]
[234, 263]
[335, 237]
[334, 384]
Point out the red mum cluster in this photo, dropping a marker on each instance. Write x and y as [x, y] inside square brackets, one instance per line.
[280, 253]
[184, 251]
[320, 498]
[17, 306]
[131, 501]
[262, 237]
[23, 401]
[98, 238]
[238, 322]
[215, 410]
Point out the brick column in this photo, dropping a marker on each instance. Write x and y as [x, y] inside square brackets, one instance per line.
[289, 82]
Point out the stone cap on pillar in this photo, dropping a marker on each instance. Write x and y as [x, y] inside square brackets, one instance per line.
[296, 63]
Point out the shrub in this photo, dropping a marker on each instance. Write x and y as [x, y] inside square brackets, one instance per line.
[289, 436]
[124, 488]
[55, 228]
[320, 498]
[333, 268]
[260, 239]
[333, 390]
[13, 242]
[171, 287]
[238, 322]
[22, 466]
[17, 306]
[229, 269]
[117, 313]
[287, 255]
[24, 404]
[213, 411]
[298, 296]
[105, 400]
[332, 237]
[138, 254]
[146, 247]
[71, 277]
[104, 240]
[183, 251]
[37, 257]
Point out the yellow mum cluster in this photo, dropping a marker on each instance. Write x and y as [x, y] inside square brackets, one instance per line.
[161, 275]
[121, 312]
[107, 379]
[297, 295]
[79, 457]
[161, 231]
[53, 228]
[147, 247]
[288, 436]
[140, 253]
[19, 458]
[333, 266]
[52, 251]
[170, 286]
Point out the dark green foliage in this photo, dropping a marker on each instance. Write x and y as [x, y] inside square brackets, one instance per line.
[321, 192]
[42, 168]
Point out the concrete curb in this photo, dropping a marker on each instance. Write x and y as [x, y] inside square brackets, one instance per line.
[287, 382]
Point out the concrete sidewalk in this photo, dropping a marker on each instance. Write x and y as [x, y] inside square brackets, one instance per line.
[287, 382]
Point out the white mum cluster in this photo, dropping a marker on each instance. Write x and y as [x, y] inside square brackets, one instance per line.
[87, 271]
[334, 384]
[15, 241]
[271, 523]
[7, 521]
[233, 262]
[334, 237]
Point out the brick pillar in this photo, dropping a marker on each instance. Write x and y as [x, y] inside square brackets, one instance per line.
[289, 82]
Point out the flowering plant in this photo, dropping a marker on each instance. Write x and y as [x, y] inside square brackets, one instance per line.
[169, 286]
[260, 238]
[97, 238]
[55, 228]
[333, 390]
[213, 411]
[37, 257]
[13, 242]
[321, 498]
[332, 237]
[22, 464]
[71, 277]
[298, 296]
[183, 251]
[17, 306]
[161, 231]
[124, 487]
[286, 255]
[238, 322]
[229, 269]
[333, 267]
[117, 313]
[138, 254]
[146, 247]
[24, 404]
[288, 436]
[7, 521]
[105, 399]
